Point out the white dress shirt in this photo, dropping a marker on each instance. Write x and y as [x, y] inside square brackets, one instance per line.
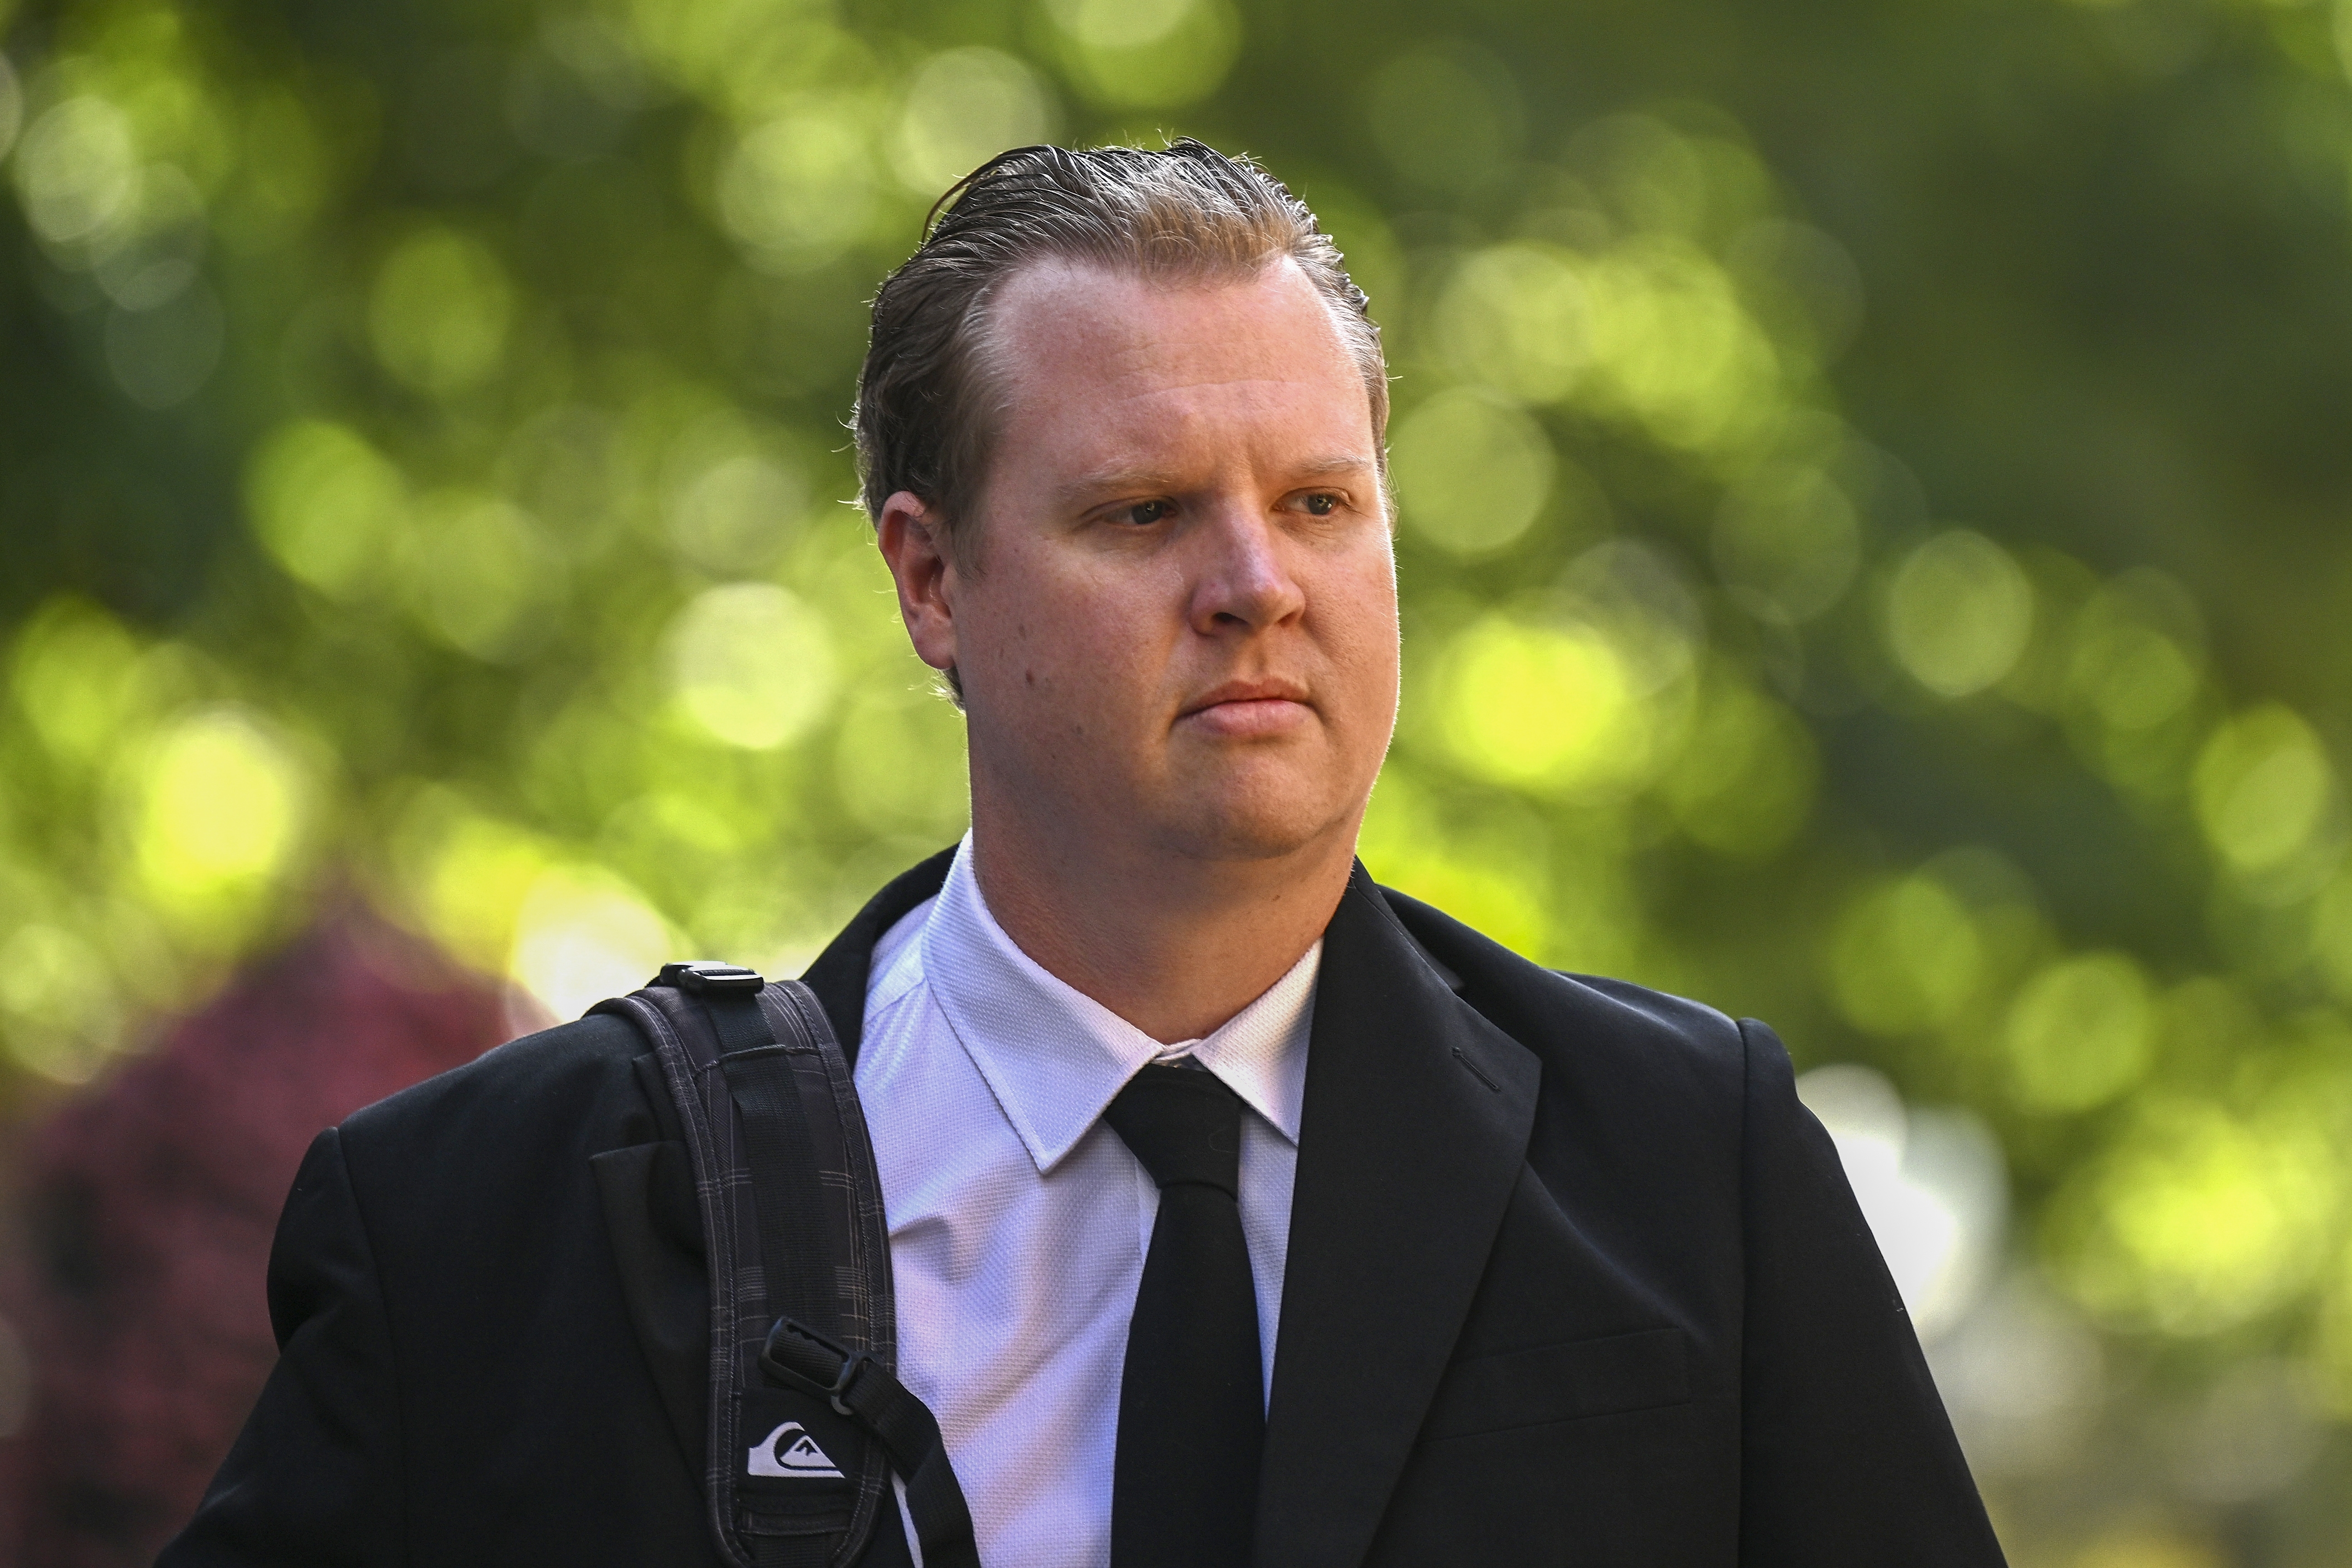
[1019, 1222]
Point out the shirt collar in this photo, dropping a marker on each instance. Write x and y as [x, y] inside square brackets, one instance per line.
[1055, 1057]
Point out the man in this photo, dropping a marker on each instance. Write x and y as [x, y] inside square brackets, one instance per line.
[1506, 1267]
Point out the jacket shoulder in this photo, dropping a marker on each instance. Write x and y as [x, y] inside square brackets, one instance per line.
[1641, 1119]
[575, 1086]
[1579, 1023]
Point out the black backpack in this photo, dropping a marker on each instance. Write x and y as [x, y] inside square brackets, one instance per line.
[808, 1418]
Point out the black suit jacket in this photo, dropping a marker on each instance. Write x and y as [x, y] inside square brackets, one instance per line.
[1573, 1278]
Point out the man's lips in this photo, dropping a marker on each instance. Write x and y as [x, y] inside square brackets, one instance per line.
[1245, 708]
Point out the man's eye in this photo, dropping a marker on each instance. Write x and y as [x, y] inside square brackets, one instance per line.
[1322, 504]
[1143, 513]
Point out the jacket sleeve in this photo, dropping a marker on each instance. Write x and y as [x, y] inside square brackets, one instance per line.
[1847, 1457]
[314, 1479]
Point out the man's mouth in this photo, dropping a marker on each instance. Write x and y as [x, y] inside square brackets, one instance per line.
[1242, 709]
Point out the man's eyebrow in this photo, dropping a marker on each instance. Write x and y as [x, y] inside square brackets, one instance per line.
[1118, 482]
[1146, 481]
[1339, 465]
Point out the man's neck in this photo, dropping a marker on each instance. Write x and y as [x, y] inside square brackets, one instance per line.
[1175, 944]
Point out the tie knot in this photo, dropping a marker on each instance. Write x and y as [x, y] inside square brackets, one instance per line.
[1184, 1124]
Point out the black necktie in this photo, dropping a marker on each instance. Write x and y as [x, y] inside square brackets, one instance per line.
[1191, 1417]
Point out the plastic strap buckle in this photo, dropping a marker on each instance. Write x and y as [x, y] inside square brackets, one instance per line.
[705, 976]
[802, 1358]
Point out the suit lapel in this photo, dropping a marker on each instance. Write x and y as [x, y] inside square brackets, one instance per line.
[1413, 1134]
[839, 976]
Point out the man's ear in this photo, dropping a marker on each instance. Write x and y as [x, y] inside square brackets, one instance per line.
[913, 540]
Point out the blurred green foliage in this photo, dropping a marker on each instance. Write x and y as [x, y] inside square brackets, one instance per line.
[1875, 483]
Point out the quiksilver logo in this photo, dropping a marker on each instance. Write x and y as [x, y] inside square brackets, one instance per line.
[789, 1450]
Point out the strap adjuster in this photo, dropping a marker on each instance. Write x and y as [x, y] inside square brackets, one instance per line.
[704, 976]
[802, 1358]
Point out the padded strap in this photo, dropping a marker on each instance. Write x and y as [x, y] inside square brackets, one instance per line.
[798, 1134]
[820, 1241]
[787, 1197]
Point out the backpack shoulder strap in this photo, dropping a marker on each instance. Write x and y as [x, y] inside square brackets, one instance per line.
[808, 1419]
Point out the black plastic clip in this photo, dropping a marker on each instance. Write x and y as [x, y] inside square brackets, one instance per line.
[802, 1358]
[705, 976]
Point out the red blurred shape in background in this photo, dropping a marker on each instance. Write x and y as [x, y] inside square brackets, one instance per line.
[152, 1203]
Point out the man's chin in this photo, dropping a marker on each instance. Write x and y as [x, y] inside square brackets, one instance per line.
[1258, 805]
[1262, 831]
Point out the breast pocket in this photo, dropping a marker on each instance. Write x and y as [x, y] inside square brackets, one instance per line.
[1561, 1383]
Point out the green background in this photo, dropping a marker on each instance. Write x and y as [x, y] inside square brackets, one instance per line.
[1874, 489]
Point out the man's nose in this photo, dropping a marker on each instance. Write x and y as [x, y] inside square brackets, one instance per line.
[1242, 578]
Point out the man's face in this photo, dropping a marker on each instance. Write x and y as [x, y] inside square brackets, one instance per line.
[1183, 623]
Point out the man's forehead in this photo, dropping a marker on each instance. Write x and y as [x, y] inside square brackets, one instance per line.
[1077, 321]
[1107, 382]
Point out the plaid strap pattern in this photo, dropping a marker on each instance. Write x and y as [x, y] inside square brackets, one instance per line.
[848, 1292]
